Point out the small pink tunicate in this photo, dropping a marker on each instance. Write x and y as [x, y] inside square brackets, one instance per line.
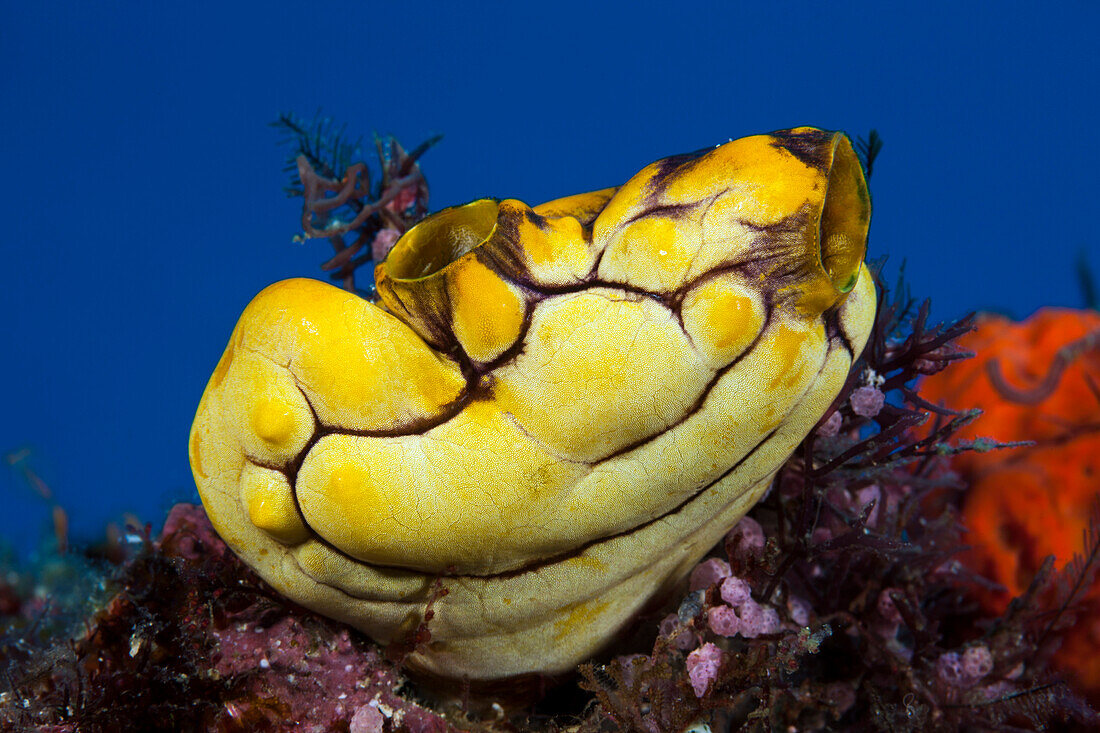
[799, 610]
[752, 619]
[751, 536]
[723, 621]
[867, 401]
[702, 667]
[735, 591]
[683, 639]
[709, 572]
[769, 621]
[977, 662]
[950, 669]
[757, 619]
[367, 719]
[629, 665]
[831, 426]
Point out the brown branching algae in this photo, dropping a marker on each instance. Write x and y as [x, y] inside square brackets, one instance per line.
[553, 413]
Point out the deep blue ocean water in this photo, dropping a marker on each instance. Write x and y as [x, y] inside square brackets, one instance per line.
[142, 199]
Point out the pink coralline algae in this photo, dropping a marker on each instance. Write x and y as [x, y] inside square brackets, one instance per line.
[323, 680]
[702, 667]
[319, 674]
[367, 719]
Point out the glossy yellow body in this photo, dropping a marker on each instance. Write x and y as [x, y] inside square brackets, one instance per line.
[554, 411]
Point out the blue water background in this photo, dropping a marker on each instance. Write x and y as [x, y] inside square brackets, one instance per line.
[142, 204]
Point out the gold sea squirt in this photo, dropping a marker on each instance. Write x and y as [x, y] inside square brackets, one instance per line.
[553, 413]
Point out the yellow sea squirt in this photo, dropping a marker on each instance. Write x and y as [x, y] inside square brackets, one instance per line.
[553, 413]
